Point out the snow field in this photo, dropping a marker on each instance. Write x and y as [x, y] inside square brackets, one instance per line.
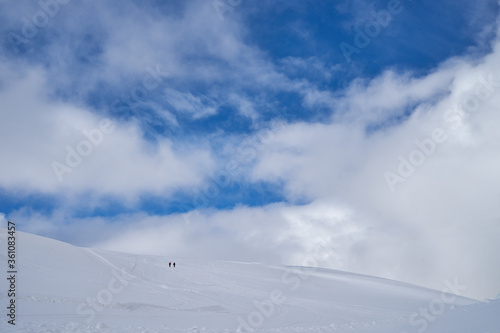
[63, 288]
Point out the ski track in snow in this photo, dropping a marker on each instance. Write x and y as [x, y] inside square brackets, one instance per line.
[59, 284]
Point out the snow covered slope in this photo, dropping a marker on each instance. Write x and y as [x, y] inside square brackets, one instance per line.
[63, 288]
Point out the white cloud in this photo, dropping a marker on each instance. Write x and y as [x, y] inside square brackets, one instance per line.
[35, 132]
[274, 233]
[245, 106]
[439, 223]
[186, 102]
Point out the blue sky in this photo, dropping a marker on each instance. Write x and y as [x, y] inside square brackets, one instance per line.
[238, 129]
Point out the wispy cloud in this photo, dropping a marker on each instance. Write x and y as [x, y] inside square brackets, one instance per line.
[186, 102]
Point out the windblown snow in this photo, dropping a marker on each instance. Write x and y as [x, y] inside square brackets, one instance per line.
[64, 288]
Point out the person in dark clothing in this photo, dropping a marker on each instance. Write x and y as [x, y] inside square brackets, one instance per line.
[169, 264]
[174, 264]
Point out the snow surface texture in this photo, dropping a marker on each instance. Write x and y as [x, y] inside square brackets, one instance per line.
[63, 288]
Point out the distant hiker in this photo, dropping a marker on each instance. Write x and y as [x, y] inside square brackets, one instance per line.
[174, 264]
[170, 264]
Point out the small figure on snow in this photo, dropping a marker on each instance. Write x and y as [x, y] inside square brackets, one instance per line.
[169, 264]
[174, 264]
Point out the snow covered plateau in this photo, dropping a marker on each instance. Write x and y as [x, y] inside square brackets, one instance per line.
[63, 288]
